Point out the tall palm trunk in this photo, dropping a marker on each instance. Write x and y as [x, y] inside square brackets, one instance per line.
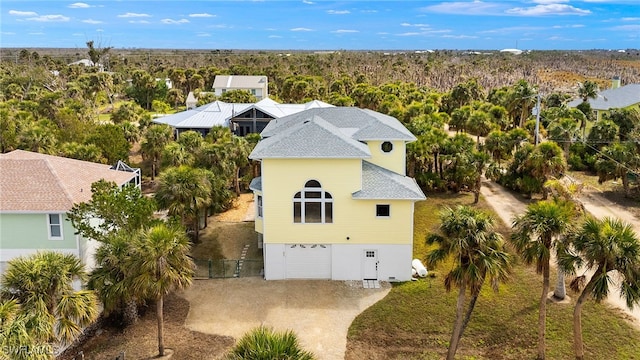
[457, 329]
[560, 292]
[578, 345]
[160, 317]
[472, 305]
[542, 316]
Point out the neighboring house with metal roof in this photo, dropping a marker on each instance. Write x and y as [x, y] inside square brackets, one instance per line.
[333, 200]
[243, 119]
[258, 86]
[37, 191]
[624, 97]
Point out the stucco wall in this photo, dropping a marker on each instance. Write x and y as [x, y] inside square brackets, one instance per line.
[394, 160]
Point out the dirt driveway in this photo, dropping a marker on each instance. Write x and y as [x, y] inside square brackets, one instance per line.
[319, 312]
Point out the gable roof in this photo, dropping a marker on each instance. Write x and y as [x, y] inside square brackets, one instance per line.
[617, 98]
[312, 138]
[239, 82]
[362, 124]
[381, 184]
[33, 182]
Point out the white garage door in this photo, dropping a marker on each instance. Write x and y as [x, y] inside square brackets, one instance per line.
[308, 261]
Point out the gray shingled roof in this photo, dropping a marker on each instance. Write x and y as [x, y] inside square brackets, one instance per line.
[618, 98]
[364, 124]
[256, 184]
[312, 138]
[379, 183]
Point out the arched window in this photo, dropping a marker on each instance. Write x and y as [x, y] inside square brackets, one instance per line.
[312, 205]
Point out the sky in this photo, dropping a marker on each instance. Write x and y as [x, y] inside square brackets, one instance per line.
[323, 25]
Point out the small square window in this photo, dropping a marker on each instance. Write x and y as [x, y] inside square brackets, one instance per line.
[383, 210]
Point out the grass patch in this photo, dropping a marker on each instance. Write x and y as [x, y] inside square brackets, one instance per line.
[415, 320]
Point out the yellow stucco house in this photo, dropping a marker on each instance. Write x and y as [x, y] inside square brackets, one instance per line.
[333, 200]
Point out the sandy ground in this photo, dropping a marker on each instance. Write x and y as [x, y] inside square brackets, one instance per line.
[506, 205]
[319, 312]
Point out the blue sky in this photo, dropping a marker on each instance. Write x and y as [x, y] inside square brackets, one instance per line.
[323, 25]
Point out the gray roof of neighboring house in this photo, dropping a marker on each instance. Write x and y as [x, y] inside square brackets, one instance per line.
[239, 82]
[379, 184]
[256, 184]
[312, 138]
[364, 124]
[218, 113]
[33, 182]
[617, 98]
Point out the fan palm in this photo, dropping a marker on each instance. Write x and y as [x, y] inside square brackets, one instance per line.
[535, 236]
[605, 246]
[161, 264]
[468, 238]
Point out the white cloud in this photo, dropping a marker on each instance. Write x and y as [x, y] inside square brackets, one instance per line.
[416, 25]
[459, 36]
[91, 21]
[627, 28]
[549, 9]
[630, 19]
[338, 12]
[203, 34]
[22, 13]
[308, 2]
[410, 34]
[174, 22]
[79, 5]
[344, 31]
[574, 26]
[274, 37]
[49, 18]
[465, 8]
[300, 29]
[550, 1]
[512, 29]
[133, 15]
[202, 15]
[368, 11]
[139, 22]
[36, 33]
[7, 33]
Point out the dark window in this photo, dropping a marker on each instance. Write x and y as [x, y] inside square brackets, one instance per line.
[259, 206]
[387, 146]
[383, 210]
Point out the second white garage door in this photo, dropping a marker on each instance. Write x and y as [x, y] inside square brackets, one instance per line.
[307, 261]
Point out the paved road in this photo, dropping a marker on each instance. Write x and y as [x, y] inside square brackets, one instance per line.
[507, 205]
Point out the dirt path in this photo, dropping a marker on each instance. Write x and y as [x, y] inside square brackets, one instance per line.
[507, 205]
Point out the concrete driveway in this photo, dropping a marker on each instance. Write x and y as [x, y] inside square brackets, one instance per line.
[318, 311]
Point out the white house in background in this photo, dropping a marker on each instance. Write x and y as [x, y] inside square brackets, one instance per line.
[192, 101]
[37, 191]
[242, 119]
[258, 86]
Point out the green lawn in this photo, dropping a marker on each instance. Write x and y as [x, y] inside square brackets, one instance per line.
[415, 320]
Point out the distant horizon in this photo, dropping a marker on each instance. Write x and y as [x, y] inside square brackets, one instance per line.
[319, 25]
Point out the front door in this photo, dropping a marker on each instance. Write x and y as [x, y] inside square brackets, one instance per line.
[370, 265]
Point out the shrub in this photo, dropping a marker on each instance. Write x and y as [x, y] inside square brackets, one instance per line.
[263, 343]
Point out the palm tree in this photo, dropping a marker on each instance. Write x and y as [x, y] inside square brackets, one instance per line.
[161, 264]
[587, 90]
[564, 131]
[536, 235]
[618, 161]
[545, 161]
[156, 137]
[184, 191]
[42, 284]
[468, 238]
[605, 246]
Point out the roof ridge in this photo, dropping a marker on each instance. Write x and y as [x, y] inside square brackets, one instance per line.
[51, 168]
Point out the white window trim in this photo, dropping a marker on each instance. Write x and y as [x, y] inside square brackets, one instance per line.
[323, 200]
[49, 225]
[259, 206]
[383, 216]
